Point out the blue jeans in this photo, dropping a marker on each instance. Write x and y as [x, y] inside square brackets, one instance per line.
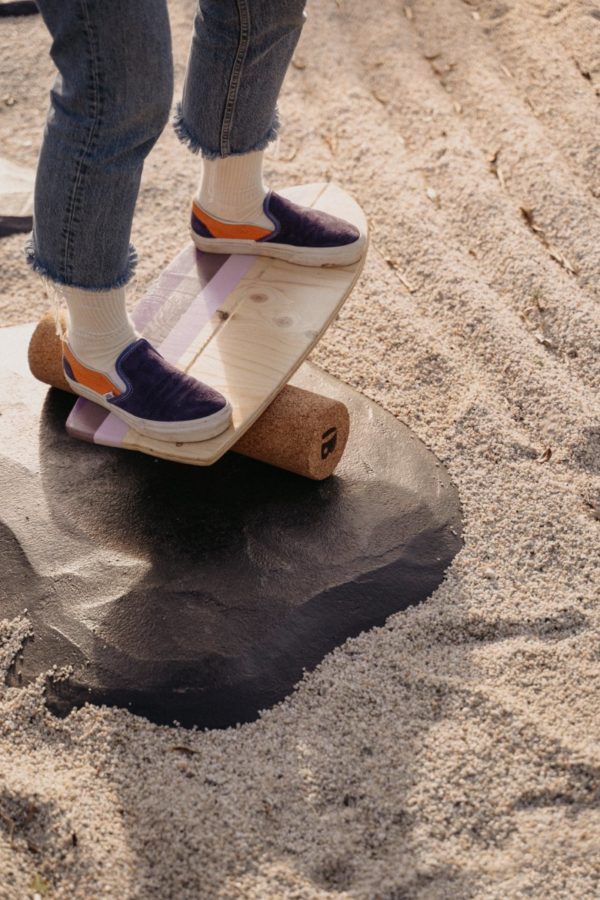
[111, 101]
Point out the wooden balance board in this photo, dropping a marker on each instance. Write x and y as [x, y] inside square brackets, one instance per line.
[242, 324]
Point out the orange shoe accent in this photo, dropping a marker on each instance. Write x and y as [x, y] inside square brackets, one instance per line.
[89, 378]
[220, 229]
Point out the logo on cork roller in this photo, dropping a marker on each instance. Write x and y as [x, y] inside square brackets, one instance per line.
[328, 442]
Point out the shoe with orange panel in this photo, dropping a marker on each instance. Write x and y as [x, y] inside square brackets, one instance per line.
[150, 395]
[299, 234]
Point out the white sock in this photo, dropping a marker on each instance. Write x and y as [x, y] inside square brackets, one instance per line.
[99, 327]
[232, 188]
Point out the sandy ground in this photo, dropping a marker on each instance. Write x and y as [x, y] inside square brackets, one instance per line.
[454, 753]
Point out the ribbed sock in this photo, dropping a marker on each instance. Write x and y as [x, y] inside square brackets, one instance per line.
[233, 189]
[99, 327]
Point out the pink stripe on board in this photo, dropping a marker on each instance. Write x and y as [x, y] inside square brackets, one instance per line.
[205, 304]
[111, 432]
[84, 419]
[154, 298]
[90, 422]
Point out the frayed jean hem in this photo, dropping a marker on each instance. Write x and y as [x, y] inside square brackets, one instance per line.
[48, 273]
[186, 136]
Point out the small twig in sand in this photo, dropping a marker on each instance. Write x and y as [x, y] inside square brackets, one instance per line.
[393, 264]
[332, 142]
[529, 103]
[10, 825]
[496, 170]
[379, 98]
[537, 299]
[182, 748]
[561, 259]
[528, 217]
[556, 254]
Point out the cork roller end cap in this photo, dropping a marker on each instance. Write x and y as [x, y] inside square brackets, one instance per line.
[45, 353]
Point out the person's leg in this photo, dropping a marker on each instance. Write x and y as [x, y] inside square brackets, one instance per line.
[109, 104]
[240, 52]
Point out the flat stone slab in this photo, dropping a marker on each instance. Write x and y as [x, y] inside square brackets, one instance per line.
[18, 8]
[16, 195]
[201, 594]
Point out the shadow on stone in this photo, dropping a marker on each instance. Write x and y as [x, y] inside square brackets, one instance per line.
[201, 595]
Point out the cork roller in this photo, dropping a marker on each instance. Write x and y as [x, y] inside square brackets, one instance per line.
[300, 431]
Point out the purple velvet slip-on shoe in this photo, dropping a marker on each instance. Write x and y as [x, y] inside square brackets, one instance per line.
[150, 395]
[300, 234]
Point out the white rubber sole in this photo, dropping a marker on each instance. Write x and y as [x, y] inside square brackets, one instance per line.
[345, 255]
[173, 432]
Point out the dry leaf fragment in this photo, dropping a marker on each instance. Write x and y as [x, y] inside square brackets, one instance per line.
[546, 342]
[583, 71]
[331, 141]
[39, 885]
[379, 98]
[393, 264]
[443, 69]
[561, 259]
[529, 103]
[556, 254]
[495, 169]
[529, 221]
[538, 300]
[545, 455]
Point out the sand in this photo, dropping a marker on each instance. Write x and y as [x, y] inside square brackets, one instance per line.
[455, 752]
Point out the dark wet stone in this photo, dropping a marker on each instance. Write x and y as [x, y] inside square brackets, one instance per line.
[200, 595]
[18, 8]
